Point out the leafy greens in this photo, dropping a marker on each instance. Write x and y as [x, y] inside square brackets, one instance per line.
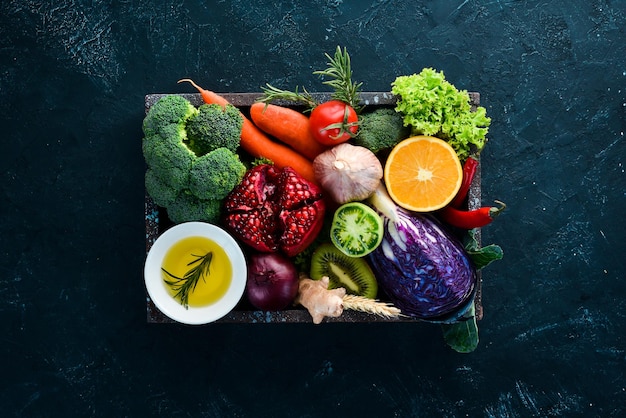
[462, 336]
[432, 106]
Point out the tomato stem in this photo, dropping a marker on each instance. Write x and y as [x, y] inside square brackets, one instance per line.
[343, 126]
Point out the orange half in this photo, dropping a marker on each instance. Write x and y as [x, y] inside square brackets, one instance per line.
[423, 173]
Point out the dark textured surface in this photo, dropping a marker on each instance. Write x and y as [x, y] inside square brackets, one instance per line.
[75, 341]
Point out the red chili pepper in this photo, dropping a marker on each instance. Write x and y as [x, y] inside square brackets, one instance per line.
[471, 218]
[469, 170]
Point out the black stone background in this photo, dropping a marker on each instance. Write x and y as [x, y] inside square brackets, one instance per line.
[74, 339]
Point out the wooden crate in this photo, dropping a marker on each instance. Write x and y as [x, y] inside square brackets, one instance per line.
[156, 222]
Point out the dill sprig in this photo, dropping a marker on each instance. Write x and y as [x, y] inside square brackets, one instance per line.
[183, 286]
[339, 72]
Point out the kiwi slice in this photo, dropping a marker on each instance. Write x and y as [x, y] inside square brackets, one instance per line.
[356, 229]
[351, 273]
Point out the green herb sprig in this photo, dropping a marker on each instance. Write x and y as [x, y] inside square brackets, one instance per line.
[183, 286]
[339, 73]
[272, 94]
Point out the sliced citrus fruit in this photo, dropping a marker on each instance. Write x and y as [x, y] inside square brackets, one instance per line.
[356, 229]
[423, 173]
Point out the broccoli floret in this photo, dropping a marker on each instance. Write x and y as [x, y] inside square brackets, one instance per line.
[190, 185]
[214, 126]
[381, 129]
[168, 156]
[187, 208]
[216, 174]
[162, 193]
[170, 109]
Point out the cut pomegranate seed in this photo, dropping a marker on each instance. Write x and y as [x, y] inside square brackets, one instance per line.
[275, 210]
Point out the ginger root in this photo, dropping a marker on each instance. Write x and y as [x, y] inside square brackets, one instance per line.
[319, 300]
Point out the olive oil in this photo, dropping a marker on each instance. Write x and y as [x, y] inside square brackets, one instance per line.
[186, 255]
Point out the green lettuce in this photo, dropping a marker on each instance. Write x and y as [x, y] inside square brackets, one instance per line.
[432, 106]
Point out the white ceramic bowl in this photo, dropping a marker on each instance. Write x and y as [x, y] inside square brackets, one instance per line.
[172, 307]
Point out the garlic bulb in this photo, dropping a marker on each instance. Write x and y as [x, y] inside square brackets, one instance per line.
[348, 172]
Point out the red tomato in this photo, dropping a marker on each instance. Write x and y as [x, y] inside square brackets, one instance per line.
[333, 122]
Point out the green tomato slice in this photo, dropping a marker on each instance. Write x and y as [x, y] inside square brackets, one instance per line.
[356, 229]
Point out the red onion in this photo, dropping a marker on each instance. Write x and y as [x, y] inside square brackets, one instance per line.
[272, 281]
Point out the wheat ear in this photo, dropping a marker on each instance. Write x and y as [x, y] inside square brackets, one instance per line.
[363, 304]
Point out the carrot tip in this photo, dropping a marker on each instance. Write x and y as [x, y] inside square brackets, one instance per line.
[188, 80]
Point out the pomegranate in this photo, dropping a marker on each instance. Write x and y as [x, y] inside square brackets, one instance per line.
[275, 209]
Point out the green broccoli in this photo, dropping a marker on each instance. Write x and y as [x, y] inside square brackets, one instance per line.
[381, 129]
[214, 126]
[190, 185]
[187, 208]
[171, 109]
[168, 156]
[162, 193]
[215, 174]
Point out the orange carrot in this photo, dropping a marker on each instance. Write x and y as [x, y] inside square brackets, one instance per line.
[207, 96]
[288, 126]
[259, 145]
[256, 143]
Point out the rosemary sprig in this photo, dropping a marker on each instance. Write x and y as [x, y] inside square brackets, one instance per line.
[187, 284]
[339, 77]
[271, 94]
[339, 72]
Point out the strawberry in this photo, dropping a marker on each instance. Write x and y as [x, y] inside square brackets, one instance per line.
[275, 210]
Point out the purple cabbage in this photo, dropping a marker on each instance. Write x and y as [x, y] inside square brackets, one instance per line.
[423, 269]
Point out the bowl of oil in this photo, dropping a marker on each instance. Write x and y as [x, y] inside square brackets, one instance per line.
[195, 273]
